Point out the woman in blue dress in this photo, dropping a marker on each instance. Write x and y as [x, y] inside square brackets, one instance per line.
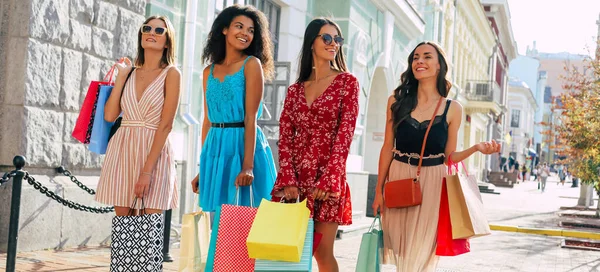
[235, 153]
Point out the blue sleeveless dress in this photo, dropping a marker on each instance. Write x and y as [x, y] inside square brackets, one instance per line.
[223, 150]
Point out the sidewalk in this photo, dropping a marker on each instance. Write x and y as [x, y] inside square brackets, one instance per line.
[501, 251]
[523, 206]
[526, 206]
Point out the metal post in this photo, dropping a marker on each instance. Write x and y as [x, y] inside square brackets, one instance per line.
[167, 237]
[15, 206]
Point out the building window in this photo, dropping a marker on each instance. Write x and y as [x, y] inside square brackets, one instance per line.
[271, 10]
[222, 4]
[514, 119]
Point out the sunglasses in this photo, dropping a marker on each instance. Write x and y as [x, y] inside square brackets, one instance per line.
[327, 39]
[158, 31]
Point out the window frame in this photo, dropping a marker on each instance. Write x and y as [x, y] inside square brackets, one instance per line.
[515, 122]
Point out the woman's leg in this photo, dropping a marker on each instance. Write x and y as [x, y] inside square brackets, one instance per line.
[151, 211]
[324, 253]
[122, 211]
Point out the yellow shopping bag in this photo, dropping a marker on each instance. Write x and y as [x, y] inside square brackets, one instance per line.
[195, 236]
[278, 231]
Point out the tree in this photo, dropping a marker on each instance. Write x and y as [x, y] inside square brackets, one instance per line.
[577, 134]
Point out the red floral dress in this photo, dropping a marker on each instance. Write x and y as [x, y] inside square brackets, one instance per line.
[313, 146]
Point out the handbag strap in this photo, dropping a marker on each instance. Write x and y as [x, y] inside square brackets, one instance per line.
[127, 79]
[425, 139]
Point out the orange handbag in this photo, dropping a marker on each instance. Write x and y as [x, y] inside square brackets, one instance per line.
[407, 192]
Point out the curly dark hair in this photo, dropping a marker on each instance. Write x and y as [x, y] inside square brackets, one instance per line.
[406, 93]
[261, 46]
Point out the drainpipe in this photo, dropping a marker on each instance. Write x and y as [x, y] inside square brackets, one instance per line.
[185, 106]
[454, 45]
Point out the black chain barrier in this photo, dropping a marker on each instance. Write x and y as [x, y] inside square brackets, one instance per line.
[68, 173]
[44, 190]
[7, 176]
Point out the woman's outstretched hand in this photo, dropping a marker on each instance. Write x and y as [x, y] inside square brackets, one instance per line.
[488, 147]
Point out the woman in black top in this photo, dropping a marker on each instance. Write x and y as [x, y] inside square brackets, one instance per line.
[410, 233]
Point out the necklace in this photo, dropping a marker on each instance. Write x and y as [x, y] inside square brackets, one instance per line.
[427, 108]
[145, 71]
[317, 80]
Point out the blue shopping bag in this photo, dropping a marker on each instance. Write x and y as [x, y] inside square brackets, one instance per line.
[371, 249]
[305, 264]
[101, 128]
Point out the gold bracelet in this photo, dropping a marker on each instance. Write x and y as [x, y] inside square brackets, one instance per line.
[147, 173]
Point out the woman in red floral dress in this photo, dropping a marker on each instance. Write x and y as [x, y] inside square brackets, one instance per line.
[316, 130]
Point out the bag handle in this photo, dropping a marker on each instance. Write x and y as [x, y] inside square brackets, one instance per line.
[377, 219]
[108, 77]
[452, 163]
[425, 138]
[132, 208]
[282, 200]
[236, 200]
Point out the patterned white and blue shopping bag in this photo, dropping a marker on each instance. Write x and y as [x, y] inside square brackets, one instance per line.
[137, 243]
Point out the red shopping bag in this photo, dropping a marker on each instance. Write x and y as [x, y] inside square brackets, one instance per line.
[316, 241]
[446, 246]
[83, 127]
[228, 251]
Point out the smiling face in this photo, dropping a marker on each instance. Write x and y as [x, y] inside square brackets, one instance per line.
[240, 32]
[425, 62]
[151, 38]
[323, 50]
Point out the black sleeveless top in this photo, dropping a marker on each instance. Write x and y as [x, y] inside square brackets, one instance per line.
[410, 134]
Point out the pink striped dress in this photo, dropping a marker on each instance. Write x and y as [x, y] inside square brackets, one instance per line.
[129, 147]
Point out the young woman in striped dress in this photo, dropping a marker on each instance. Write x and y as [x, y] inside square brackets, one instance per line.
[139, 159]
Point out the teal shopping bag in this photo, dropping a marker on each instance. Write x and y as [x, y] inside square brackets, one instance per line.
[305, 264]
[101, 127]
[371, 249]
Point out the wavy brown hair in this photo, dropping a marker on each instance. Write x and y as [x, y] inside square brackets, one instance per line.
[406, 93]
[261, 46]
[168, 55]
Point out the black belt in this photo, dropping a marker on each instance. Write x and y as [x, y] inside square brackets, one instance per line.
[228, 125]
[415, 161]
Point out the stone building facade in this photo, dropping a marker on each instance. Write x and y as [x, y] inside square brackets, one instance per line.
[51, 50]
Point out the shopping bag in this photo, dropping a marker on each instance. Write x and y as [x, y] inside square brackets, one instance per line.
[446, 245]
[305, 264]
[137, 243]
[466, 206]
[82, 130]
[278, 231]
[316, 241]
[227, 250]
[195, 237]
[101, 127]
[370, 255]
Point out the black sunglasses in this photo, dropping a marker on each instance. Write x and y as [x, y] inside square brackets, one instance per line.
[158, 31]
[327, 39]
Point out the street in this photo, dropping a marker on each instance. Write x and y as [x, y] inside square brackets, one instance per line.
[523, 206]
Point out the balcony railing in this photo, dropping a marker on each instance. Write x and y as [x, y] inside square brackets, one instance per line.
[485, 91]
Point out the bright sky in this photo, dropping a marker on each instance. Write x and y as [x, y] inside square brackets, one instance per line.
[556, 25]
